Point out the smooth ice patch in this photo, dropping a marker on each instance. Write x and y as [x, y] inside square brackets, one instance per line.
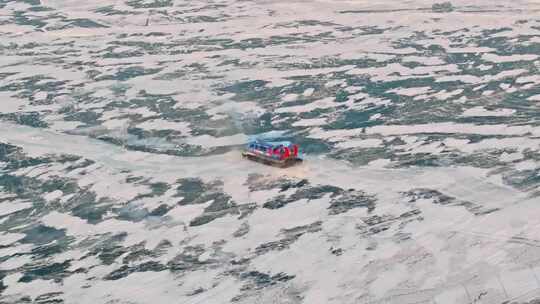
[483, 112]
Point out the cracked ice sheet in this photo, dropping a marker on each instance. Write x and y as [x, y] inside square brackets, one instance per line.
[308, 258]
[465, 183]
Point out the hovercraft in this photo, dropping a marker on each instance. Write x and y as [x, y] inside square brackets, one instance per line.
[280, 154]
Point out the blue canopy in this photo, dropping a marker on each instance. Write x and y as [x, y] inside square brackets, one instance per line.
[269, 144]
